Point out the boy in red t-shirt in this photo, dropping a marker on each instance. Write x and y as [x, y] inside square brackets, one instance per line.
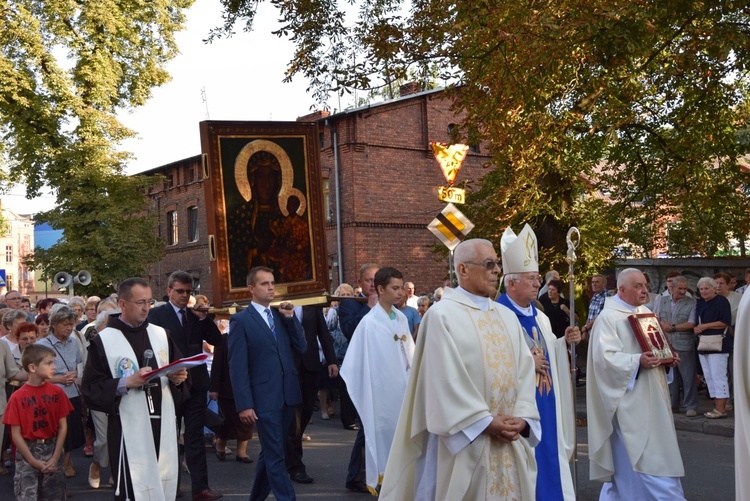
[36, 413]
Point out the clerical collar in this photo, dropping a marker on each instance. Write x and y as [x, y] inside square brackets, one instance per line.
[527, 311]
[619, 300]
[131, 326]
[482, 302]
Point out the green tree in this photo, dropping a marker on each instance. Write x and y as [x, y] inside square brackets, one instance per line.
[66, 68]
[617, 116]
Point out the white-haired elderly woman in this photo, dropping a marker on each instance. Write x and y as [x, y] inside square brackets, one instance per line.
[12, 318]
[100, 452]
[62, 321]
[714, 315]
[340, 345]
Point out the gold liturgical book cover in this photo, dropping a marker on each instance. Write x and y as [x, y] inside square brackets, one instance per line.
[650, 336]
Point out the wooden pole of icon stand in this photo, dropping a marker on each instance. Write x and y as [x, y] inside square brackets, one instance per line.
[573, 239]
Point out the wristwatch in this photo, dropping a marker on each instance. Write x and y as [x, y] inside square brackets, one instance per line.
[674, 327]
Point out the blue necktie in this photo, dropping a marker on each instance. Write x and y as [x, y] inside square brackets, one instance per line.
[271, 323]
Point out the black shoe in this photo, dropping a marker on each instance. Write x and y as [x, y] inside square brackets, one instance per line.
[301, 477]
[221, 455]
[358, 487]
[245, 459]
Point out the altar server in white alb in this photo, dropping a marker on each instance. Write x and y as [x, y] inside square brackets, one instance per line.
[376, 369]
[632, 441]
[554, 391]
[469, 420]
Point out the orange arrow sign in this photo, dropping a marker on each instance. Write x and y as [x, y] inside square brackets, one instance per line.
[450, 158]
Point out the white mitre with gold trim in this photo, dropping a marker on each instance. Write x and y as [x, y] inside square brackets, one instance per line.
[519, 252]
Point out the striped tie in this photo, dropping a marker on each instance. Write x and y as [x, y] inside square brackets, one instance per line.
[271, 323]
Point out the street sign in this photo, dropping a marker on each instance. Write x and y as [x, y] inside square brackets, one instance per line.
[450, 158]
[450, 226]
[2, 278]
[451, 194]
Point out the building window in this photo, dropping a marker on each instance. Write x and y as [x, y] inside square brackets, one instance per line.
[192, 216]
[27, 243]
[327, 200]
[474, 147]
[9, 285]
[172, 227]
[191, 175]
[8, 253]
[322, 139]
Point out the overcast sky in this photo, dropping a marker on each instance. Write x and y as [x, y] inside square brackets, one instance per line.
[242, 77]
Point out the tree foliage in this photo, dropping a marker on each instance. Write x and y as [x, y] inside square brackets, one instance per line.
[621, 117]
[66, 68]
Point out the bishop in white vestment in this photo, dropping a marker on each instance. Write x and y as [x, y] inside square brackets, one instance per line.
[632, 441]
[469, 418]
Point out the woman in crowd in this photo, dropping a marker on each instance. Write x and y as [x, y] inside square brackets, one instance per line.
[42, 321]
[26, 334]
[11, 320]
[555, 307]
[714, 315]
[340, 344]
[99, 419]
[62, 320]
[8, 372]
[423, 303]
[221, 389]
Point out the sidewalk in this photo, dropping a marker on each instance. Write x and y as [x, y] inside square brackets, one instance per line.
[721, 427]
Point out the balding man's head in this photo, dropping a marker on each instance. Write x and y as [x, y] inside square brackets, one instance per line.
[477, 267]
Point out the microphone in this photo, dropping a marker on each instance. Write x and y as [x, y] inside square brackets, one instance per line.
[147, 356]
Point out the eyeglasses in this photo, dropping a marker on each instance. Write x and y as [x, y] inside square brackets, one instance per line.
[182, 291]
[489, 265]
[141, 302]
[13, 298]
[533, 279]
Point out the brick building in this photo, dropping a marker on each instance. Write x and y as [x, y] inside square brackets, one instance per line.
[179, 201]
[386, 197]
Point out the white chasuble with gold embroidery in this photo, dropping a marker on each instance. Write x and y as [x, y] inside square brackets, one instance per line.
[468, 365]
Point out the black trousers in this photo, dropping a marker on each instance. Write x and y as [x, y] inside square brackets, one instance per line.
[309, 381]
[193, 412]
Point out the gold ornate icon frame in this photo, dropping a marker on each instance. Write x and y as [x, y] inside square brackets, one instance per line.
[285, 230]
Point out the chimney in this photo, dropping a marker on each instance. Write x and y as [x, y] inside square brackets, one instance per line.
[409, 88]
[314, 116]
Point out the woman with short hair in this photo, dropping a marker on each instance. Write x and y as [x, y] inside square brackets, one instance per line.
[714, 315]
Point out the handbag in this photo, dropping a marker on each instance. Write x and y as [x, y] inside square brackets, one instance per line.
[213, 421]
[712, 342]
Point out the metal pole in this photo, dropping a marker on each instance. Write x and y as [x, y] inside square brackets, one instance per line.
[450, 267]
[573, 239]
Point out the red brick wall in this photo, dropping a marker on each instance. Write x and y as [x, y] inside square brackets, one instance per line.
[179, 196]
[389, 183]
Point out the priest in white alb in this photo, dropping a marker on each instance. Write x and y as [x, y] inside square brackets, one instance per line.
[376, 369]
[469, 420]
[632, 440]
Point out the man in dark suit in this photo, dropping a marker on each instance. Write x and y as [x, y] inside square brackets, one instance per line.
[350, 314]
[308, 366]
[264, 378]
[188, 330]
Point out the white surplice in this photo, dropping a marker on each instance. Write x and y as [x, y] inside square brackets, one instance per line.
[376, 370]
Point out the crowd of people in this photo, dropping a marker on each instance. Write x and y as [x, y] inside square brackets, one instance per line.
[462, 393]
